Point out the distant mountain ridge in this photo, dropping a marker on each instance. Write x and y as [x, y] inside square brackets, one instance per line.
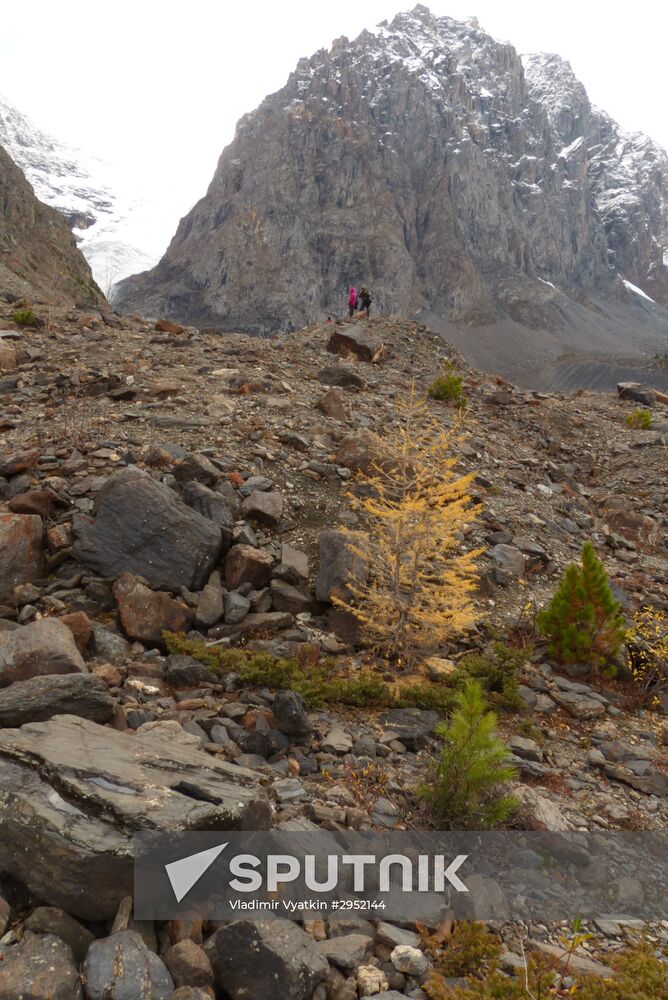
[86, 191]
[39, 258]
[432, 162]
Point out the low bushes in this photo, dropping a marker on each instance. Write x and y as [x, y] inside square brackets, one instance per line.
[321, 683]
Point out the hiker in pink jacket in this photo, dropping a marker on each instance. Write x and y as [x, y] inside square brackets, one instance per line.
[352, 301]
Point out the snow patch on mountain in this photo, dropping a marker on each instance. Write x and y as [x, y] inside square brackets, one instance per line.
[119, 229]
[637, 291]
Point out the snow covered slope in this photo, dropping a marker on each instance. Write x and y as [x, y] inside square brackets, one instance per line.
[118, 230]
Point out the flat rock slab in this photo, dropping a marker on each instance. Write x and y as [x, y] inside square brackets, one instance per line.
[347, 951]
[575, 962]
[190, 993]
[72, 793]
[43, 647]
[341, 376]
[580, 706]
[254, 625]
[40, 698]
[142, 527]
[653, 782]
[337, 741]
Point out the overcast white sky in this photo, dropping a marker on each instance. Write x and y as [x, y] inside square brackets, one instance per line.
[160, 85]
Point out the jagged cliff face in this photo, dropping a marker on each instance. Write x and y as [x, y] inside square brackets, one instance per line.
[426, 160]
[628, 173]
[113, 228]
[39, 258]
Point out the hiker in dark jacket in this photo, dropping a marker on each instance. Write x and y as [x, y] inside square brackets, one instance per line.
[365, 300]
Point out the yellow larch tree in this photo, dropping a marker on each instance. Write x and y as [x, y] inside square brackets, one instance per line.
[414, 509]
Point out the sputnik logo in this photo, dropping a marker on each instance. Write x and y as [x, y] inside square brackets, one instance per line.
[184, 873]
[432, 873]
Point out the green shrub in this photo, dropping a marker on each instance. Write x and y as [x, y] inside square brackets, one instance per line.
[465, 787]
[497, 671]
[24, 317]
[640, 975]
[639, 420]
[447, 389]
[319, 684]
[582, 621]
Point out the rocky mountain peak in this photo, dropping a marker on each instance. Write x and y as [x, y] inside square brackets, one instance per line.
[429, 160]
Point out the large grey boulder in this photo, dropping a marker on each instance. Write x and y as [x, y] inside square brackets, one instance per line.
[40, 698]
[72, 793]
[266, 958]
[214, 506]
[21, 552]
[40, 967]
[121, 966]
[142, 527]
[43, 647]
[339, 566]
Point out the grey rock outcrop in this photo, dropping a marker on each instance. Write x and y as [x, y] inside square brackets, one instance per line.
[429, 160]
[39, 257]
[72, 793]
